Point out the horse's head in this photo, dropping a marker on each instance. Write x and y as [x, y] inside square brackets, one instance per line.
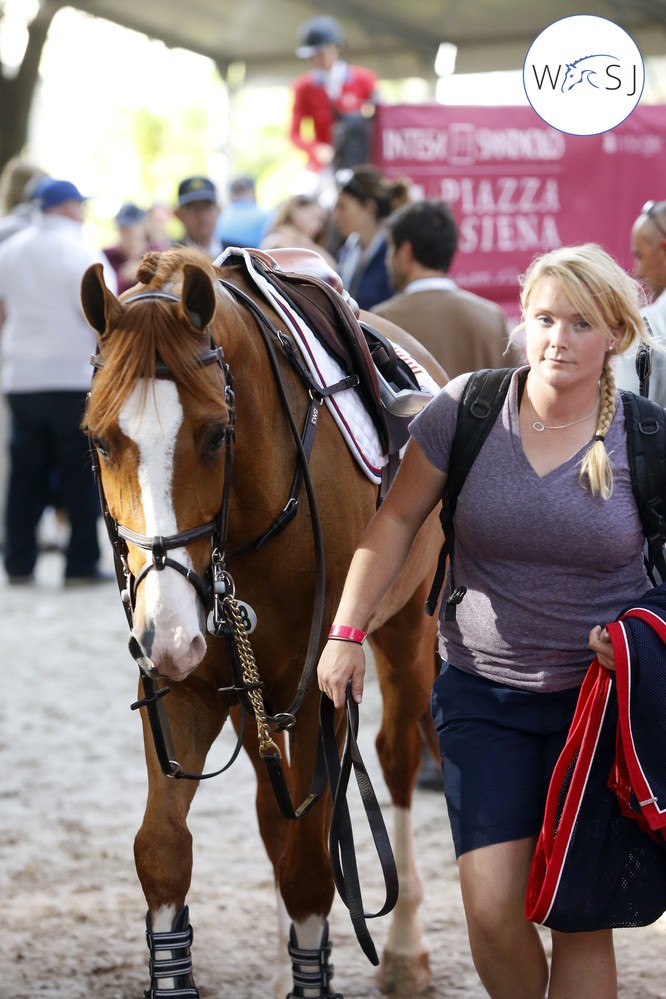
[157, 416]
[571, 77]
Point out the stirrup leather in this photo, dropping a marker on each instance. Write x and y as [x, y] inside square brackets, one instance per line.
[311, 968]
[178, 966]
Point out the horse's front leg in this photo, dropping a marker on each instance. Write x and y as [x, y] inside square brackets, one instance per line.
[163, 844]
[298, 850]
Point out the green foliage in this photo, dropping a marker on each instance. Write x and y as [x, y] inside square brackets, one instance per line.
[168, 148]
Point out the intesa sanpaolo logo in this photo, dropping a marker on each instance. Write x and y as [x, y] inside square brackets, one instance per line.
[584, 75]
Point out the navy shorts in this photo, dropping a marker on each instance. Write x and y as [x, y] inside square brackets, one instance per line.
[499, 745]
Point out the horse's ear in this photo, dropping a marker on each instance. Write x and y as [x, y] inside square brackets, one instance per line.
[197, 300]
[100, 306]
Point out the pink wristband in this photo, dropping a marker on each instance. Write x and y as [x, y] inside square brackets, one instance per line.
[347, 634]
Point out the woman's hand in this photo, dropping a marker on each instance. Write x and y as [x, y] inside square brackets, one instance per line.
[339, 663]
[600, 643]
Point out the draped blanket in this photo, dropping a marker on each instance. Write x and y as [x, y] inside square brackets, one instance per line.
[600, 860]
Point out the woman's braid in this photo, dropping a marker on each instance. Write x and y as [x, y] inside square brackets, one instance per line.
[596, 466]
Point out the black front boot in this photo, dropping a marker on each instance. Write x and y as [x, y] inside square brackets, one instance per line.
[311, 968]
[178, 966]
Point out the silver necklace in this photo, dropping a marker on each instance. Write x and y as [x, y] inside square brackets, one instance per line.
[540, 427]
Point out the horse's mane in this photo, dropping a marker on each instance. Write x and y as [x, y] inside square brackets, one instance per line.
[148, 331]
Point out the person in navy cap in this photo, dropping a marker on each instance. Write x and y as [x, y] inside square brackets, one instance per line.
[45, 347]
[338, 100]
[199, 210]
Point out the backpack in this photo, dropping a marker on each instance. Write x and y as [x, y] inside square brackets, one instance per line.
[478, 410]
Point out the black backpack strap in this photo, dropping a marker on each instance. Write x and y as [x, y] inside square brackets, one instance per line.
[644, 363]
[478, 409]
[646, 448]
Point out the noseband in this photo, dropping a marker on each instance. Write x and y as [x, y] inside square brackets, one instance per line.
[158, 545]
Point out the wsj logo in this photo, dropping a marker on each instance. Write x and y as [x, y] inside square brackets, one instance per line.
[594, 70]
[589, 94]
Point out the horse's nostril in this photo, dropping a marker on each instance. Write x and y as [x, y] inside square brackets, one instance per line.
[197, 649]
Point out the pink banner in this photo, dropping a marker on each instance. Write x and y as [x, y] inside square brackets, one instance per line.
[519, 187]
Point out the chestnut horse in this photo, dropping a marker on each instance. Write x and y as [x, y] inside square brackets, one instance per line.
[158, 418]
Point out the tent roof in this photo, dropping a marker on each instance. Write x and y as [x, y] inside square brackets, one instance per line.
[394, 38]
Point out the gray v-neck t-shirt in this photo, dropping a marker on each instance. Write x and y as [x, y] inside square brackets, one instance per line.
[543, 559]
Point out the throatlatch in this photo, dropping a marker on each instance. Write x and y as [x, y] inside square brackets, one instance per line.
[311, 968]
[174, 961]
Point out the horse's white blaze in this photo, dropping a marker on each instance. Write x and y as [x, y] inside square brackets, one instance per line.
[172, 634]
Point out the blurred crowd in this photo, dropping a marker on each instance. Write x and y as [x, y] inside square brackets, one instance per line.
[45, 344]
[393, 251]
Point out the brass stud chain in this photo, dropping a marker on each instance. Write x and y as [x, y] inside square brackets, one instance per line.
[267, 745]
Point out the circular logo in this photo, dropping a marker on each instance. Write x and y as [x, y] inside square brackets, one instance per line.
[583, 75]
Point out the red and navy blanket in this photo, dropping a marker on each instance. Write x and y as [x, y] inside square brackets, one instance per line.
[600, 861]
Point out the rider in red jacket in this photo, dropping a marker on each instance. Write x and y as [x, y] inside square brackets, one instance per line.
[331, 90]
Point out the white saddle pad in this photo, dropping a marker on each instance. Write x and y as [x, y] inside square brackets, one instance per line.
[355, 423]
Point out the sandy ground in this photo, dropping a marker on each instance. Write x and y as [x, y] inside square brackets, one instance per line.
[71, 799]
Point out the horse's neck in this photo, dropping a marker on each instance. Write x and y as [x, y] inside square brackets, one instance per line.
[265, 451]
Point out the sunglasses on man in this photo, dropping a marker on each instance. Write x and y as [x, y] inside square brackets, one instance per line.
[650, 210]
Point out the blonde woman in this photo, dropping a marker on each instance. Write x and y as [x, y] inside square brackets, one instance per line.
[549, 546]
[299, 221]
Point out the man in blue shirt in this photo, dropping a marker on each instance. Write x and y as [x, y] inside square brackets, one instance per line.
[243, 222]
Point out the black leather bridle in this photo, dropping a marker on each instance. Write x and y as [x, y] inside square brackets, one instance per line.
[217, 582]
[158, 546]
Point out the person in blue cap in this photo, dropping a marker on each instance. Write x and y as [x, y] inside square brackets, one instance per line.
[45, 348]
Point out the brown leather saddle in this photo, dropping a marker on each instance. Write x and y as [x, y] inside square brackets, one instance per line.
[387, 385]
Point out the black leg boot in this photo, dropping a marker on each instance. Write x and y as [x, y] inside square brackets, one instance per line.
[178, 966]
[311, 968]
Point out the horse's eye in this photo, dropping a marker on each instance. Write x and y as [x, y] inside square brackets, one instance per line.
[214, 441]
[101, 447]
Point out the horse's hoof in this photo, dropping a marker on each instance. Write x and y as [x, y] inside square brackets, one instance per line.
[404, 974]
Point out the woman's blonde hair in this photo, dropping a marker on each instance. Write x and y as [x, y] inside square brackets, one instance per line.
[284, 211]
[606, 297]
[16, 175]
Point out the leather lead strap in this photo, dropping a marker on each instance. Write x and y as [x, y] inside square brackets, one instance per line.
[341, 837]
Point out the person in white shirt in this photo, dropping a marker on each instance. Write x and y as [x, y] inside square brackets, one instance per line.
[45, 349]
[648, 246]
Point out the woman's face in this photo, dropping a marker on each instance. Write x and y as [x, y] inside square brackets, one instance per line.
[563, 349]
[309, 218]
[351, 215]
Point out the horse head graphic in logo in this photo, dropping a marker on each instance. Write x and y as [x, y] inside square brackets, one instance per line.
[585, 69]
